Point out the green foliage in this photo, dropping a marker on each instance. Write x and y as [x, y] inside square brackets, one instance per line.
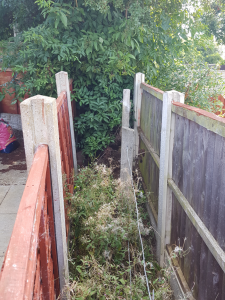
[101, 45]
[214, 19]
[209, 51]
[198, 82]
[103, 220]
[20, 13]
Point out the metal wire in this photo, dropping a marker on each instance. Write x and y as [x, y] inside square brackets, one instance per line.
[146, 278]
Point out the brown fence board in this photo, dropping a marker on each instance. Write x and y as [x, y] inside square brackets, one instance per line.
[151, 119]
[198, 172]
[150, 173]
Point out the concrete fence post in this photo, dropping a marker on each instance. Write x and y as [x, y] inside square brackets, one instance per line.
[40, 126]
[138, 79]
[62, 84]
[126, 146]
[176, 97]
[165, 172]
[127, 140]
[126, 108]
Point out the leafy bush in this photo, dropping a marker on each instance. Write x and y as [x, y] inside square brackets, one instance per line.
[200, 84]
[101, 47]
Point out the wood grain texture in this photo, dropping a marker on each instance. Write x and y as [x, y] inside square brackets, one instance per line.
[151, 120]
[150, 174]
[198, 164]
[30, 266]
[66, 150]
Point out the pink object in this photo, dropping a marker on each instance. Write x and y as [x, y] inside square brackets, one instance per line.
[6, 134]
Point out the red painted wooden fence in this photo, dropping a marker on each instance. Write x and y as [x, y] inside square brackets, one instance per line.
[30, 268]
[66, 150]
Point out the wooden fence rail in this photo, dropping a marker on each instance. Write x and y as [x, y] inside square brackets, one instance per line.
[182, 160]
[30, 268]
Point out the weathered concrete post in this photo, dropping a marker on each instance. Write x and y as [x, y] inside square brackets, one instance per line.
[126, 108]
[138, 79]
[40, 126]
[62, 84]
[165, 172]
[127, 140]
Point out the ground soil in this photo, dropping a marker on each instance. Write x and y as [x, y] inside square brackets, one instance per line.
[111, 157]
[16, 159]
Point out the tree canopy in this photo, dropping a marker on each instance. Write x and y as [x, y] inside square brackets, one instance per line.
[101, 44]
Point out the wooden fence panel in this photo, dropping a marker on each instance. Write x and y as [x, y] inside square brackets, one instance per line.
[150, 173]
[150, 142]
[151, 119]
[198, 164]
[66, 150]
[194, 197]
[30, 268]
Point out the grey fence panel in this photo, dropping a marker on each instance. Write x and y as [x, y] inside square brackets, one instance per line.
[198, 165]
[150, 173]
[151, 119]
[201, 271]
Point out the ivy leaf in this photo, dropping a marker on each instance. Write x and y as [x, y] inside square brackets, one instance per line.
[63, 19]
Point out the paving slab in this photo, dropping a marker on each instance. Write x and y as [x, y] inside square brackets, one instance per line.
[1, 261]
[7, 223]
[3, 192]
[11, 201]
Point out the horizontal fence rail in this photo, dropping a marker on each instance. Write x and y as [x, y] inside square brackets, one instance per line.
[65, 149]
[30, 268]
[182, 161]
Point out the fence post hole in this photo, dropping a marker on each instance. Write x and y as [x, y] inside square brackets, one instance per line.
[62, 84]
[138, 79]
[163, 173]
[126, 108]
[176, 97]
[40, 126]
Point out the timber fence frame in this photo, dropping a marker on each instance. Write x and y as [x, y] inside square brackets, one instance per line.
[40, 126]
[173, 104]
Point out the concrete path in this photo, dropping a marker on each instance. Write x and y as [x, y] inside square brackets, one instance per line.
[13, 176]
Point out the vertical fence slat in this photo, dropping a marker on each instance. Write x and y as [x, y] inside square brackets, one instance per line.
[52, 230]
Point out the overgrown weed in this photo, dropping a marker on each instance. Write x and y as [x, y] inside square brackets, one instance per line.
[103, 220]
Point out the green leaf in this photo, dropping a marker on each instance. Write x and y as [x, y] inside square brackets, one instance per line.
[95, 45]
[57, 22]
[63, 18]
[122, 281]
[101, 40]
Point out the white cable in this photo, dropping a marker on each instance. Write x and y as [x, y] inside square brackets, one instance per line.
[146, 278]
